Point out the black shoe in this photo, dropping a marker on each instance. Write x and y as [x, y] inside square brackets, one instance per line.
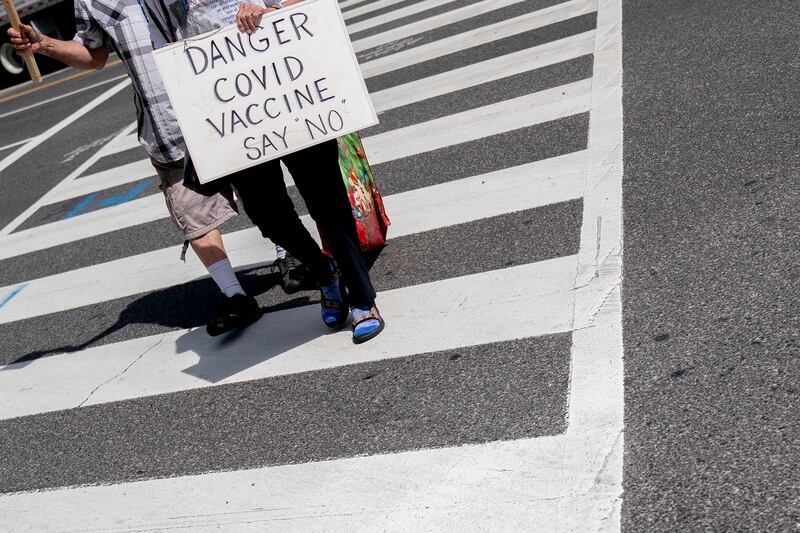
[236, 312]
[294, 276]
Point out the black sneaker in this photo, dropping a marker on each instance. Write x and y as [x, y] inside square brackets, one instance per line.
[236, 312]
[294, 276]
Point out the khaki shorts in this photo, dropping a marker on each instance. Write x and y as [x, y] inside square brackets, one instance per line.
[194, 214]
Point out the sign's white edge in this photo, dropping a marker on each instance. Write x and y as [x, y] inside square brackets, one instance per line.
[157, 54]
[343, 26]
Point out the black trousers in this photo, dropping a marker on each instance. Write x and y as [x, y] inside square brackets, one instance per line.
[318, 179]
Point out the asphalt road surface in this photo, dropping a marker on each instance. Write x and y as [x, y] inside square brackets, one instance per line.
[534, 375]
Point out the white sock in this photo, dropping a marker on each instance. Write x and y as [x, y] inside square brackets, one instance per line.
[223, 274]
[280, 252]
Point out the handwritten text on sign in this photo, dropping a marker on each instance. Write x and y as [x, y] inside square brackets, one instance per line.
[244, 99]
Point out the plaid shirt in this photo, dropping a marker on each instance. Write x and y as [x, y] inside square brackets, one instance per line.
[121, 25]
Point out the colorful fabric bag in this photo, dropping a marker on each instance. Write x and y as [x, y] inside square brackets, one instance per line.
[372, 223]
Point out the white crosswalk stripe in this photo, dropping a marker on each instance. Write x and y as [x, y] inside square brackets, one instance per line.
[532, 300]
[396, 14]
[478, 37]
[517, 113]
[563, 481]
[370, 7]
[484, 72]
[431, 23]
[101, 180]
[129, 142]
[345, 4]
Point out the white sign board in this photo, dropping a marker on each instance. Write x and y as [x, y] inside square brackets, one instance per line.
[244, 99]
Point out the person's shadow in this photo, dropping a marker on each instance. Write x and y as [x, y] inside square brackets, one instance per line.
[290, 321]
[190, 306]
[275, 334]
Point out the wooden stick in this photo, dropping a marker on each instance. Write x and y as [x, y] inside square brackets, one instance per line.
[30, 61]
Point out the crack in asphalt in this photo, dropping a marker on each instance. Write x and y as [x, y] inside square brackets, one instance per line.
[112, 378]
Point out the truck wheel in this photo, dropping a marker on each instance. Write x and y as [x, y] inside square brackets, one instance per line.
[10, 61]
[12, 68]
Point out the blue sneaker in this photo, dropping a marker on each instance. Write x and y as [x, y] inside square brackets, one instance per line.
[334, 306]
[367, 323]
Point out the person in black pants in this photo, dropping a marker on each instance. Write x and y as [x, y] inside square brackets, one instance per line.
[318, 179]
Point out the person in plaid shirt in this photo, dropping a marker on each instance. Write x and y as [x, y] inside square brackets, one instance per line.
[121, 25]
[344, 280]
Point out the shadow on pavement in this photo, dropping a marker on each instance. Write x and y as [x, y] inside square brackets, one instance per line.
[186, 306]
[273, 335]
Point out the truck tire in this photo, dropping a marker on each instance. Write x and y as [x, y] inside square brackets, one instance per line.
[12, 68]
[10, 61]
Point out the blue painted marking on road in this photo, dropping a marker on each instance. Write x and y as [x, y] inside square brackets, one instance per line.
[80, 206]
[130, 195]
[114, 200]
[108, 202]
[7, 298]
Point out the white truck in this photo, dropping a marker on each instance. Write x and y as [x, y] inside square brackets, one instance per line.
[51, 17]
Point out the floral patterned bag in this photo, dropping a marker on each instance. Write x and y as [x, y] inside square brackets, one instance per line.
[368, 210]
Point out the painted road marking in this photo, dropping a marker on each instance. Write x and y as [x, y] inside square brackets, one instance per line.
[536, 108]
[516, 485]
[97, 143]
[592, 453]
[132, 213]
[11, 293]
[484, 72]
[369, 8]
[506, 191]
[37, 88]
[80, 206]
[108, 202]
[397, 14]
[478, 37]
[481, 122]
[344, 4]
[102, 180]
[523, 301]
[441, 47]
[39, 139]
[431, 23]
[65, 95]
[12, 145]
[129, 142]
[128, 196]
[22, 217]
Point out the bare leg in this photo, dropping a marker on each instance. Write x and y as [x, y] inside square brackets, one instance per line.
[209, 248]
[211, 251]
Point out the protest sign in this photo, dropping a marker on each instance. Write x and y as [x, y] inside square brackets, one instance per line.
[244, 99]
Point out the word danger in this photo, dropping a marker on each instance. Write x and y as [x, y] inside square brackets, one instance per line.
[267, 96]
